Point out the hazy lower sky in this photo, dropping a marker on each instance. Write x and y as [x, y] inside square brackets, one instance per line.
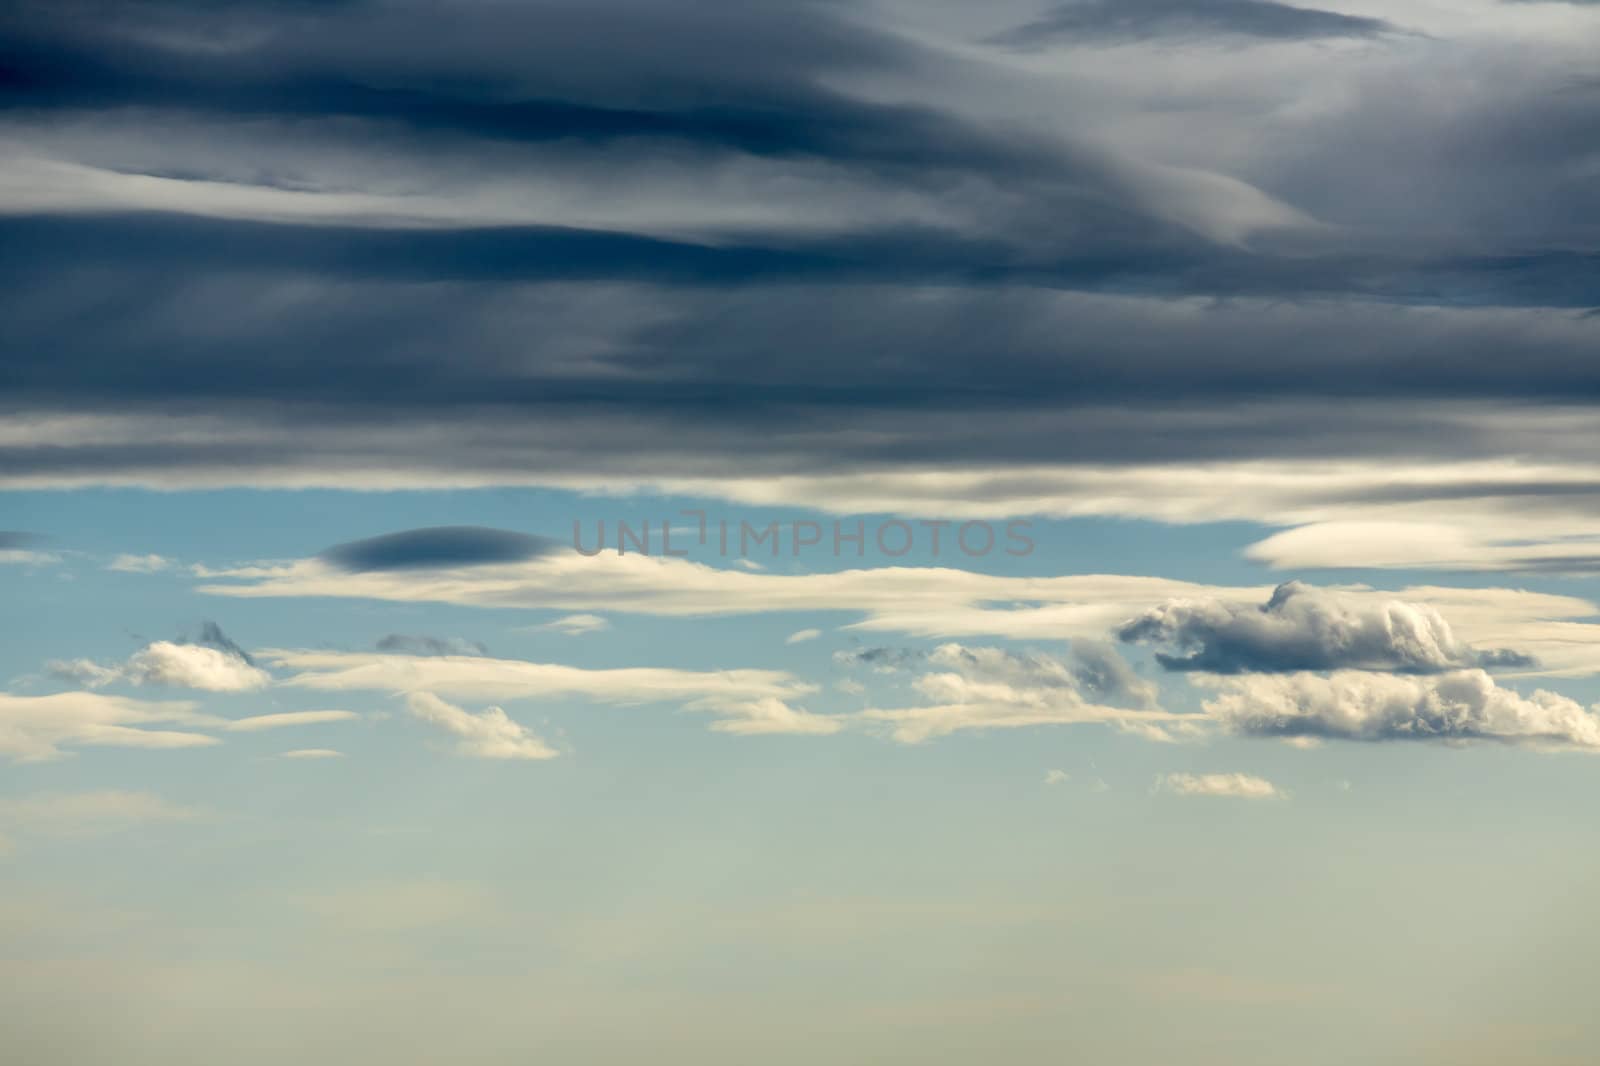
[798, 533]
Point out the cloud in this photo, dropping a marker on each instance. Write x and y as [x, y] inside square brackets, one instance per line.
[421, 644]
[38, 728]
[1056, 777]
[771, 716]
[441, 547]
[212, 636]
[935, 602]
[312, 753]
[1089, 21]
[165, 663]
[801, 636]
[577, 625]
[1232, 786]
[1463, 706]
[140, 564]
[741, 701]
[17, 548]
[968, 688]
[488, 734]
[193, 666]
[77, 813]
[258, 722]
[1304, 628]
[1138, 245]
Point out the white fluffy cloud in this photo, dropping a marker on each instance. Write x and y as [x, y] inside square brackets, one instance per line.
[172, 665]
[1467, 705]
[488, 734]
[1232, 786]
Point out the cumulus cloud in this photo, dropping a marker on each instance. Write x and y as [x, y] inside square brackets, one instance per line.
[1232, 786]
[1305, 628]
[212, 663]
[164, 663]
[39, 728]
[1464, 706]
[487, 734]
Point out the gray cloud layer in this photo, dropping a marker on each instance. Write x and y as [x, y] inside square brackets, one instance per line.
[489, 239]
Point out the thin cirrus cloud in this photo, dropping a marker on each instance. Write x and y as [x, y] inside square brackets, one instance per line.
[739, 701]
[42, 728]
[577, 625]
[1224, 786]
[286, 719]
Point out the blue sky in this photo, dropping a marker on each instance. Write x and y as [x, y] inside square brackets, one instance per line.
[1259, 334]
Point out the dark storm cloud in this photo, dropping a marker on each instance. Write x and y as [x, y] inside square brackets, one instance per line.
[1305, 628]
[710, 76]
[907, 272]
[436, 548]
[1100, 20]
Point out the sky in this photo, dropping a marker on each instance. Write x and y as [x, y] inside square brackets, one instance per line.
[795, 532]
